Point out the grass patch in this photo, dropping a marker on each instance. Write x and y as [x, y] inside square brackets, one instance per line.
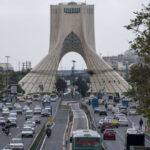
[64, 107]
[38, 138]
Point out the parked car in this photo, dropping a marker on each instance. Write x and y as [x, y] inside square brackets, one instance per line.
[29, 101]
[27, 132]
[123, 111]
[109, 134]
[16, 144]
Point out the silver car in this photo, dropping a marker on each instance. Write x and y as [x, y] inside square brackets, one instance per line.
[27, 131]
[2, 120]
[16, 144]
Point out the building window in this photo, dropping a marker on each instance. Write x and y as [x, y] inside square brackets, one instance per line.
[71, 10]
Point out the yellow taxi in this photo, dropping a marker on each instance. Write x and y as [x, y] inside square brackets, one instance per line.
[100, 102]
[114, 122]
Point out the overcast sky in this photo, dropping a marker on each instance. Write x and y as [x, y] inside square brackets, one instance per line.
[25, 27]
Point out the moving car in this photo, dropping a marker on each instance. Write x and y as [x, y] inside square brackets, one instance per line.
[26, 132]
[28, 114]
[53, 97]
[2, 120]
[16, 144]
[37, 119]
[105, 125]
[36, 97]
[9, 106]
[25, 108]
[37, 111]
[109, 134]
[29, 101]
[103, 112]
[97, 109]
[45, 113]
[19, 110]
[123, 121]
[132, 112]
[5, 111]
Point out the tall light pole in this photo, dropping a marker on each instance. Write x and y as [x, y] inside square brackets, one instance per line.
[7, 57]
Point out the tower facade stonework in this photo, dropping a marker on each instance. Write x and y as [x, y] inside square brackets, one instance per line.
[72, 29]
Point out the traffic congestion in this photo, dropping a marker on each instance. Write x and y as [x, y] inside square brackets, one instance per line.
[22, 119]
[117, 121]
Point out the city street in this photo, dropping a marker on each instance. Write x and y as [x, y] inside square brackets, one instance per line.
[119, 143]
[16, 132]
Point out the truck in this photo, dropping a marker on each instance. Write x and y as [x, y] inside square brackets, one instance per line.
[95, 103]
[134, 138]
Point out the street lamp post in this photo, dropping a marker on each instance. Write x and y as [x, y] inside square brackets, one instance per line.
[7, 79]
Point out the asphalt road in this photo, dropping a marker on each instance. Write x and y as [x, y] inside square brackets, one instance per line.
[119, 143]
[55, 142]
[16, 132]
[79, 118]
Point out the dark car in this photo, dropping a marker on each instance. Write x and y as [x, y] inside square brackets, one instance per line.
[45, 113]
[105, 125]
[123, 111]
[37, 119]
[103, 112]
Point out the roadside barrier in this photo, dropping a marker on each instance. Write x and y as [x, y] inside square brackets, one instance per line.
[38, 139]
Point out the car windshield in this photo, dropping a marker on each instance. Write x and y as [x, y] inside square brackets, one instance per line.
[110, 131]
[16, 141]
[53, 96]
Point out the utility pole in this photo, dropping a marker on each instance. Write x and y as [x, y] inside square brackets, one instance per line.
[7, 57]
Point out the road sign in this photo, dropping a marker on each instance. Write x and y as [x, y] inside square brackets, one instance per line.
[51, 120]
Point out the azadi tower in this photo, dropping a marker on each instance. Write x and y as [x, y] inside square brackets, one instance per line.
[72, 29]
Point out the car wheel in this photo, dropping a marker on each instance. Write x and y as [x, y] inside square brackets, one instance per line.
[22, 136]
[32, 136]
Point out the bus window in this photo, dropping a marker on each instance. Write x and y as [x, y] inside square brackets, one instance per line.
[87, 142]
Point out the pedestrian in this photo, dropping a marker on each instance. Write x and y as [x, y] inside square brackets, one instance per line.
[106, 105]
[141, 124]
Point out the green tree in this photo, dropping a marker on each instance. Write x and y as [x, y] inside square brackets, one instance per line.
[61, 85]
[82, 86]
[140, 73]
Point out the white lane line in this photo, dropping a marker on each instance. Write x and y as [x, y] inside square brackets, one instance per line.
[43, 142]
[51, 127]
[120, 136]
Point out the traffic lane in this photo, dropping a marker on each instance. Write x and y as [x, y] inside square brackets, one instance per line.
[16, 132]
[117, 144]
[55, 141]
[121, 131]
[79, 118]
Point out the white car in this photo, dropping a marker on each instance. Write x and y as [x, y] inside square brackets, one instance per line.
[5, 111]
[97, 109]
[25, 108]
[110, 106]
[16, 143]
[27, 131]
[123, 121]
[53, 97]
[2, 120]
[132, 112]
[115, 109]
